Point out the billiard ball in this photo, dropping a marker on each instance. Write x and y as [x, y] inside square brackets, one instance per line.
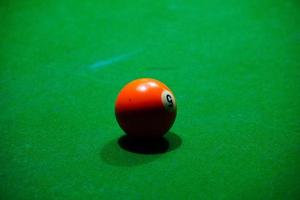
[145, 108]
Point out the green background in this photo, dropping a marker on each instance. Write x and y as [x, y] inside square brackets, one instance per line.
[234, 67]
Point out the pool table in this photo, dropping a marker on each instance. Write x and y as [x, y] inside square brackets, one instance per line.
[234, 68]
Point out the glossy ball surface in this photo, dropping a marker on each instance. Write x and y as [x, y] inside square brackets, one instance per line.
[145, 108]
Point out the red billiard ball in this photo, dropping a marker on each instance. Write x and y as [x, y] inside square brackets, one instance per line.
[145, 108]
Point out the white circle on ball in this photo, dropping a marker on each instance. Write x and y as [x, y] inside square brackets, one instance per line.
[168, 100]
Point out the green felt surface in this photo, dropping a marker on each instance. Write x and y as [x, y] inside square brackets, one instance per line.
[234, 67]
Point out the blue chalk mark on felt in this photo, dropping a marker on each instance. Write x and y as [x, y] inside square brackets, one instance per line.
[103, 63]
